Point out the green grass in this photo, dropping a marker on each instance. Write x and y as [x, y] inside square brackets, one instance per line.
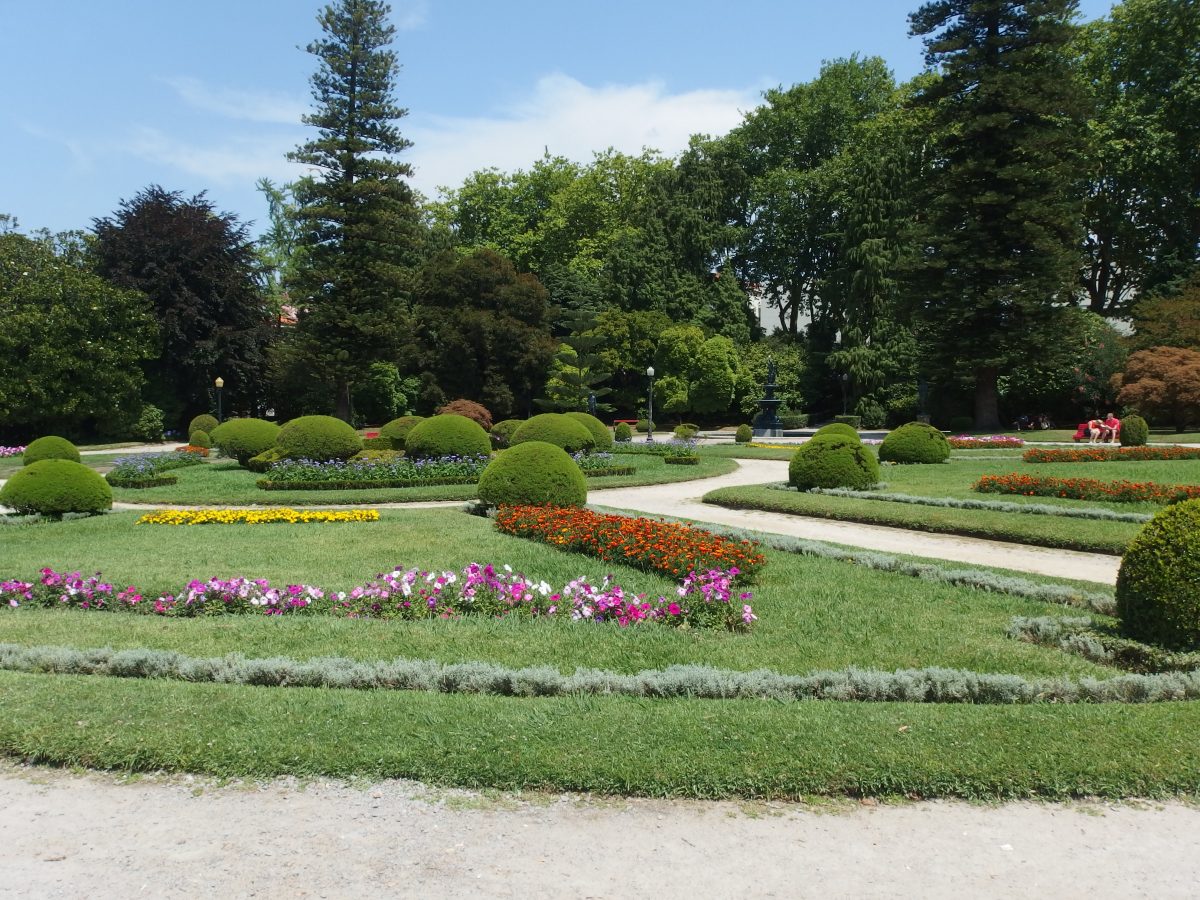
[741, 451]
[224, 482]
[814, 614]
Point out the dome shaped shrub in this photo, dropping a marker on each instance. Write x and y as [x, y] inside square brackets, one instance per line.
[200, 439]
[915, 442]
[556, 429]
[203, 422]
[241, 439]
[396, 431]
[1134, 431]
[833, 462]
[533, 473]
[1158, 587]
[623, 434]
[838, 428]
[595, 427]
[502, 432]
[744, 434]
[477, 412]
[447, 435]
[320, 438]
[52, 487]
[50, 447]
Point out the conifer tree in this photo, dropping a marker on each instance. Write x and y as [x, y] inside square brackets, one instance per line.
[1002, 212]
[357, 214]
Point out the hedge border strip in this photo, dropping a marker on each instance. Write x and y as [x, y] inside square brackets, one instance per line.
[1033, 509]
[927, 685]
[1078, 636]
[267, 485]
[140, 483]
[1060, 594]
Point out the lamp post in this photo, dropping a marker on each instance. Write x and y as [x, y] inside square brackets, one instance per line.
[845, 385]
[650, 407]
[220, 383]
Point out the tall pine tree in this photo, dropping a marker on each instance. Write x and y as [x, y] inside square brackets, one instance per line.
[358, 215]
[1002, 213]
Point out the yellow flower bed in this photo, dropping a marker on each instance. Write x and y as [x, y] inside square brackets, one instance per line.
[255, 516]
[773, 446]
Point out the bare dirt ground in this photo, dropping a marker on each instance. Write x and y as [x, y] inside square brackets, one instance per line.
[99, 836]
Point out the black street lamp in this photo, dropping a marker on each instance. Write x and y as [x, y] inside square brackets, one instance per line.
[650, 407]
[220, 383]
[845, 385]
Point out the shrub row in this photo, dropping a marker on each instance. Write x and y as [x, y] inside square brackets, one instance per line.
[1109, 454]
[1086, 489]
[1079, 636]
[1037, 509]
[138, 482]
[374, 471]
[357, 484]
[930, 685]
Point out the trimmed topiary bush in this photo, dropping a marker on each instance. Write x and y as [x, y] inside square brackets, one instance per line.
[242, 439]
[1158, 587]
[50, 447]
[686, 431]
[203, 422]
[319, 438]
[622, 434]
[51, 487]
[841, 429]
[476, 412]
[744, 434]
[447, 435]
[396, 431]
[263, 461]
[1134, 432]
[833, 462]
[200, 439]
[557, 429]
[915, 442]
[502, 432]
[533, 473]
[598, 429]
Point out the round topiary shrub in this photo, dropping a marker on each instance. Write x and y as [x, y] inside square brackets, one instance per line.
[477, 412]
[52, 487]
[242, 439]
[1158, 586]
[203, 422]
[319, 438]
[915, 442]
[396, 431]
[744, 434]
[622, 434]
[841, 429]
[598, 429]
[643, 426]
[263, 461]
[533, 473]
[833, 462]
[50, 447]
[1134, 431]
[557, 429]
[200, 439]
[686, 431]
[502, 432]
[447, 435]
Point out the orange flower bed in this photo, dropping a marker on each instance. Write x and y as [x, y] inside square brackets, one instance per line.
[1110, 454]
[666, 547]
[1086, 489]
[192, 449]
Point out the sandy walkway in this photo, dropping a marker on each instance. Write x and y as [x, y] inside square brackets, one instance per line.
[90, 836]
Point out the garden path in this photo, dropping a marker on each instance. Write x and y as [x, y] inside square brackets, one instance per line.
[682, 499]
[99, 836]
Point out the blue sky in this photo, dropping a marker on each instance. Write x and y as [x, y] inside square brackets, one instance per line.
[104, 97]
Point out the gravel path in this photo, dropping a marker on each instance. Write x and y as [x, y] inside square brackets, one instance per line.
[93, 836]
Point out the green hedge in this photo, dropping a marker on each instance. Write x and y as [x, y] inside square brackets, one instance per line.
[1158, 586]
[319, 438]
[50, 447]
[447, 435]
[52, 487]
[242, 439]
[915, 442]
[533, 473]
[833, 462]
[557, 429]
[595, 427]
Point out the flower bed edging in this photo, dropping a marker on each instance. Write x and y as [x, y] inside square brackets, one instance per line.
[1109, 454]
[1086, 489]
[255, 516]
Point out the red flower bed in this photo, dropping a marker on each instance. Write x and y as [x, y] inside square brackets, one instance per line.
[1110, 454]
[665, 547]
[1086, 489]
[192, 449]
[991, 442]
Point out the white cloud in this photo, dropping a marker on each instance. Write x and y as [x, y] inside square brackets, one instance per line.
[570, 119]
[255, 106]
[235, 160]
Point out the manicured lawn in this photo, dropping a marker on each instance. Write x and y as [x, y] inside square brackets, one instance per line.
[223, 481]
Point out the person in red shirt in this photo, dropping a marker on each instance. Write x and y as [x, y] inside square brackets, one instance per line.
[1112, 429]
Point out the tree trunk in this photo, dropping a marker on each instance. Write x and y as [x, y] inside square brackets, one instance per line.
[987, 399]
[342, 401]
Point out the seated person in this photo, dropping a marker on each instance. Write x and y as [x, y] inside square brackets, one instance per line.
[1095, 430]
[1112, 429]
